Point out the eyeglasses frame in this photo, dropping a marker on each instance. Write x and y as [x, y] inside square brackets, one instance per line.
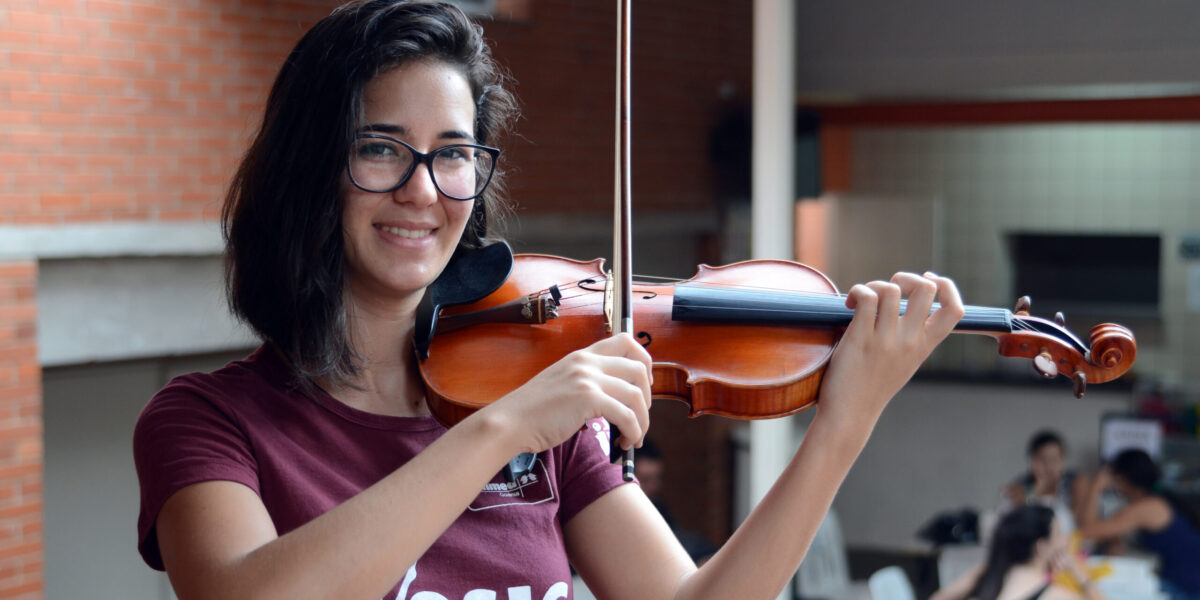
[427, 159]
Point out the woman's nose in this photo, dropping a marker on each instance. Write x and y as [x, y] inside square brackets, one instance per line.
[419, 189]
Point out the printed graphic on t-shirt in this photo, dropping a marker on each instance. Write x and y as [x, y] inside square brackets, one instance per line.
[600, 430]
[529, 489]
[557, 591]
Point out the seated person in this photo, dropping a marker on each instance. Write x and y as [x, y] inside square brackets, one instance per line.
[1163, 523]
[1048, 481]
[1028, 547]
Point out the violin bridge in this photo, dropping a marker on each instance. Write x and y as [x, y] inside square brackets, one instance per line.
[609, 284]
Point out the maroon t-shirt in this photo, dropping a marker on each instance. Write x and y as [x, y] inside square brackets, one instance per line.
[305, 452]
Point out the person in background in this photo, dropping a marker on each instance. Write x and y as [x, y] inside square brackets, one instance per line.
[1027, 550]
[650, 469]
[1048, 481]
[1162, 522]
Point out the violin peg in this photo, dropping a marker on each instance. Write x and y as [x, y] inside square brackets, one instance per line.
[1079, 382]
[1043, 363]
[1024, 303]
[1060, 319]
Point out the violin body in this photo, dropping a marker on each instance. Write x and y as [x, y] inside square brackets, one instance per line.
[730, 369]
[749, 340]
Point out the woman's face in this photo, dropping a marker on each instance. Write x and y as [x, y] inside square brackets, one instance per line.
[1047, 463]
[398, 242]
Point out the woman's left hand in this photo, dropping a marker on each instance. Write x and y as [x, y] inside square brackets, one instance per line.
[881, 349]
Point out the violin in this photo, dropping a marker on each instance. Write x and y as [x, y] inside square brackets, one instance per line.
[749, 340]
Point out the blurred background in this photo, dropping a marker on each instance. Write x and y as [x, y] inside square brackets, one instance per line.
[1023, 147]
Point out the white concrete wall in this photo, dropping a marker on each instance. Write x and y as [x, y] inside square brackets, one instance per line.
[880, 48]
[91, 489]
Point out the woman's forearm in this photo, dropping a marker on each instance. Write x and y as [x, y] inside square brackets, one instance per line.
[1089, 514]
[763, 554]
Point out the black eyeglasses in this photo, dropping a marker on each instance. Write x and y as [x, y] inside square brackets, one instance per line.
[381, 164]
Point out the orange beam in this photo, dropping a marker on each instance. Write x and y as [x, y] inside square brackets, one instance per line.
[1180, 108]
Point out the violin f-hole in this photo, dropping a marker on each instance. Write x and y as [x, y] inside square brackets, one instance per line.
[644, 338]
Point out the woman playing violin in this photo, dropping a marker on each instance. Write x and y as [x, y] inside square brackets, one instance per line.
[312, 468]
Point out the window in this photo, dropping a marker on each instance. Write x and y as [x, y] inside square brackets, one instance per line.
[1115, 274]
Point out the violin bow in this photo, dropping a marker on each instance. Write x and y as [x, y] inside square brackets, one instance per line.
[622, 271]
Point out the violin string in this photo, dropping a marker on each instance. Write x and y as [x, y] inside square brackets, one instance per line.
[660, 280]
[827, 304]
[831, 309]
[780, 311]
[829, 299]
[1017, 323]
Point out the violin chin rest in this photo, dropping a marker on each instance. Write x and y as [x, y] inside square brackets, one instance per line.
[470, 276]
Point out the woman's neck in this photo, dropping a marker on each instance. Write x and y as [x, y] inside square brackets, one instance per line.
[389, 382]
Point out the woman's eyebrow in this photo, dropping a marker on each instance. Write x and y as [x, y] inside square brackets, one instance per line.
[398, 130]
[384, 128]
[456, 135]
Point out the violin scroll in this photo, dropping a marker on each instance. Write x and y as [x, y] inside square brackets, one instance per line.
[1109, 352]
[1113, 346]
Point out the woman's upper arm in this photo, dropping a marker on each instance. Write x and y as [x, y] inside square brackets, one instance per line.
[1126, 521]
[623, 548]
[204, 529]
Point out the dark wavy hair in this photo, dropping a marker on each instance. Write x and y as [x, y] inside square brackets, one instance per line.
[1012, 544]
[1139, 470]
[282, 220]
[1043, 438]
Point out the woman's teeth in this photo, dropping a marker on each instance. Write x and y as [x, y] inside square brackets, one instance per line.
[407, 233]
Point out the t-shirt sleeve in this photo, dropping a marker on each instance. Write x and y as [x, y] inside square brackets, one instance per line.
[585, 471]
[183, 438]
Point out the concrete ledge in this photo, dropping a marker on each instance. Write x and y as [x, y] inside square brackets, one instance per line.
[121, 308]
[109, 239]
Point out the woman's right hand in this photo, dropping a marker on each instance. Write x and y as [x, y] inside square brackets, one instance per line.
[609, 379]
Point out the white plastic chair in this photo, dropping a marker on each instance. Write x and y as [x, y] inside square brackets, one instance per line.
[825, 572]
[956, 559]
[890, 583]
[580, 589]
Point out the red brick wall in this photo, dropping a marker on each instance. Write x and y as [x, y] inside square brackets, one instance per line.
[20, 434]
[113, 110]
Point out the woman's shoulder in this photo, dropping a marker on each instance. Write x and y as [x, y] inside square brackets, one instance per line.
[1153, 512]
[237, 386]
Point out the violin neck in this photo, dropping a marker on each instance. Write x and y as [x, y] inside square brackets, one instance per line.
[767, 307]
